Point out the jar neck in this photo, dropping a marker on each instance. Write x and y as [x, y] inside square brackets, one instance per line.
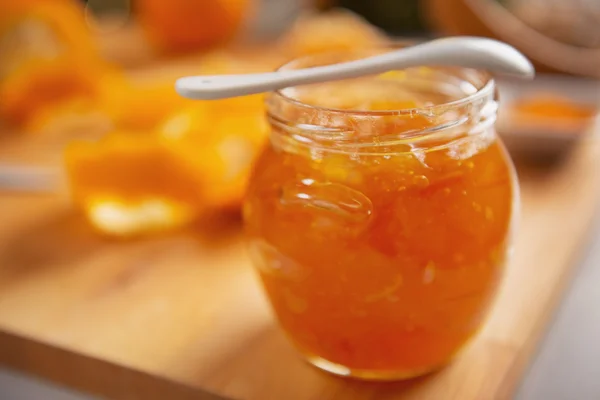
[298, 124]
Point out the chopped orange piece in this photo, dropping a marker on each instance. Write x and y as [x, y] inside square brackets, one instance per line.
[35, 88]
[221, 139]
[140, 106]
[182, 25]
[133, 183]
[42, 28]
[46, 56]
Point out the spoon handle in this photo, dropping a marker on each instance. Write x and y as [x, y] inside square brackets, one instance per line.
[464, 52]
[211, 87]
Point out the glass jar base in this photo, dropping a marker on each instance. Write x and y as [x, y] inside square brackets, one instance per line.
[366, 374]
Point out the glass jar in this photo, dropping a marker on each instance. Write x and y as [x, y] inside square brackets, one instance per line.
[380, 216]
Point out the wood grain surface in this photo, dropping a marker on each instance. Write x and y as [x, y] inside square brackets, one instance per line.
[182, 316]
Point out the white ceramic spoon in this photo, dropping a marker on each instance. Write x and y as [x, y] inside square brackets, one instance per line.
[470, 52]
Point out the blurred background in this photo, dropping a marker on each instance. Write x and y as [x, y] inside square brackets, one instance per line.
[89, 115]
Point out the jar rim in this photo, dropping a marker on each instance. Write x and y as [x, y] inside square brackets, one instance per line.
[486, 89]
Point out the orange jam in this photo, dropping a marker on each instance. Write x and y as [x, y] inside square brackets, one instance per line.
[380, 216]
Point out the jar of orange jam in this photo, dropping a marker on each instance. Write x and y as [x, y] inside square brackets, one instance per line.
[380, 216]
